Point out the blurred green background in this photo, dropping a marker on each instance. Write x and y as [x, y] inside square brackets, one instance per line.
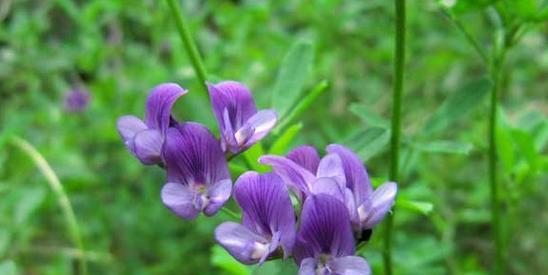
[120, 49]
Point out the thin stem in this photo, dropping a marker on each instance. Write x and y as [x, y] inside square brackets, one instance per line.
[62, 198]
[496, 71]
[479, 50]
[189, 44]
[396, 127]
[230, 213]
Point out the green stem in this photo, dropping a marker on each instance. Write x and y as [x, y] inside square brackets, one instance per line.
[496, 71]
[479, 50]
[189, 44]
[396, 127]
[62, 198]
[230, 213]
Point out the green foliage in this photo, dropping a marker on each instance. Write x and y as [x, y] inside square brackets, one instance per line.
[457, 105]
[292, 75]
[120, 50]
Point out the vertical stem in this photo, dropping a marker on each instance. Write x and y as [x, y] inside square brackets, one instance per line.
[396, 115]
[189, 44]
[493, 183]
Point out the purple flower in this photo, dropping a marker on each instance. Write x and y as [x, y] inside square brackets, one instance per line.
[197, 172]
[306, 174]
[76, 100]
[371, 206]
[240, 124]
[145, 138]
[268, 220]
[341, 174]
[324, 243]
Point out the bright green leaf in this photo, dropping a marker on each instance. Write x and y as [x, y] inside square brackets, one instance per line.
[221, 259]
[302, 106]
[252, 155]
[281, 144]
[292, 75]
[418, 206]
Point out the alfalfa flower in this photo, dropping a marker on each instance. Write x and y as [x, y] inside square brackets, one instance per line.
[145, 139]
[268, 220]
[240, 124]
[198, 179]
[324, 243]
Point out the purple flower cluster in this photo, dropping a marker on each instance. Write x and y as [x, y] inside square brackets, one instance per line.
[338, 202]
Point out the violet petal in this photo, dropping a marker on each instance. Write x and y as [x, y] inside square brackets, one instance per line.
[305, 156]
[180, 199]
[159, 104]
[293, 174]
[325, 229]
[349, 265]
[373, 210]
[147, 146]
[243, 244]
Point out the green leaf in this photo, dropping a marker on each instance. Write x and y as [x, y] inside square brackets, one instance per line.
[221, 259]
[369, 142]
[458, 104]
[444, 146]
[459, 7]
[369, 117]
[523, 9]
[29, 200]
[292, 75]
[421, 207]
[281, 144]
[236, 169]
[526, 146]
[302, 106]
[8, 267]
[252, 155]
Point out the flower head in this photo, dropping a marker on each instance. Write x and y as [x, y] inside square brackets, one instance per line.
[324, 243]
[341, 174]
[371, 205]
[197, 172]
[268, 220]
[76, 100]
[240, 124]
[145, 138]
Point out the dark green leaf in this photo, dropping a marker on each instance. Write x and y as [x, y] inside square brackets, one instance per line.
[369, 142]
[444, 146]
[369, 117]
[458, 104]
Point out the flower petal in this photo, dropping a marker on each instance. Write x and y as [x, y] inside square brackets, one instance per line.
[266, 207]
[256, 127]
[349, 265]
[356, 175]
[217, 194]
[180, 199]
[193, 155]
[147, 146]
[242, 243]
[236, 99]
[159, 104]
[375, 208]
[305, 156]
[331, 166]
[292, 174]
[328, 186]
[129, 126]
[308, 266]
[325, 229]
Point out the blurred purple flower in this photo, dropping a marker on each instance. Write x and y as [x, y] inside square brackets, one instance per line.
[268, 220]
[76, 100]
[324, 243]
[240, 124]
[341, 174]
[197, 172]
[145, 138]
